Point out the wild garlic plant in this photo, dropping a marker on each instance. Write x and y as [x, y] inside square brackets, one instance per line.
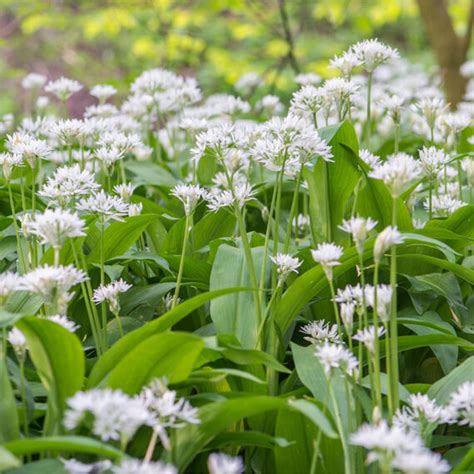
[228, 283]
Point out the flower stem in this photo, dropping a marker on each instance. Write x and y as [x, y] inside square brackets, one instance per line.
[187, 225]
[376, 355]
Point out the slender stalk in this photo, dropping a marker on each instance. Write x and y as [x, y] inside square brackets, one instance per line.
[15, 226]
[151, 446]
[187, 225]
[119, 323]
[294, 205]
[90, 308]
[376, 355]
[102, 279]
[334, 305]
[23, 397]
[340, 429]
[396, 141]
[430, 200]
[369, 118]
[393, 318]
[267, 315]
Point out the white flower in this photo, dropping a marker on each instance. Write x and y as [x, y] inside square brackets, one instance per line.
[286, 264]
[220, 463]
[9, 283]
[103, 92]
[308, 100]
[166, 410]
[136, 466]
[68, 184]
[68, 131]
[309, 78]
[336, 356]
[109, 155]
[116, 416]
[110, 293]
[28, 147]
[431, 108]
[387, 439]
[367, 336]
[385, 240]
[328, 256]
[63, 88]
[393, 104]
[461, 404]
[372, 53]
[345, 63]
[467, 69]
[53, 283]
[384, 300]
[8, 161]
[18, 341]
[370, 159]
[42, 102]
[420, 462]
[73, 466]
[106, 206]
[270, 104]
[347, 316]
[135, 209]
[320, 331]
[189, 195]
[397, 172]
[248, 83]
[124, 190]
[33, 81]
[359, 228]
[432, 160]
[63, 321]
[444, 205]
[54, 226]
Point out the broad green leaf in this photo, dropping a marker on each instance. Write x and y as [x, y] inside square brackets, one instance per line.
[168, 354]
[120, 236]
[446, 354]
[108, 360]
[448, 252]
[218, 416]
[212, 226]
[311, 283]
[146, 172]
[249, 438]
[51, 466]
[235, 314]
[9, 428]
[460, 271]
[63, 444]
[374, 200]
[331, 184]
[59, 359]
[442, 389]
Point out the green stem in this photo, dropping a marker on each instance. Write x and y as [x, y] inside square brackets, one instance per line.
[336, 309]
[294, 206]
[393, 318]
[340, 429]
[376, 355]
[266, 316]
[119, 323]
[187, 225]
[396, 142]
[23, 397]
[15, 226]
[369, 117]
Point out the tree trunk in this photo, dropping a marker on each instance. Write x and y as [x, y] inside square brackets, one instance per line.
[450, 49]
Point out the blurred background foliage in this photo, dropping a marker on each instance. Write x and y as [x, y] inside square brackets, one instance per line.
[97, 41]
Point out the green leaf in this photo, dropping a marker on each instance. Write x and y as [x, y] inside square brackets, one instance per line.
[51, 466]
[9, 428]
[146, 172]
[331, 184]
[448, 252]
[120, 236]
[248, 438]
[374, 200]
[212, 226]
[235, 314]
[108, 360]
[459, 270]
[218, 416]
[442, 389]
[165, 354]
[63, 444]
[311, 283]
[59, 359]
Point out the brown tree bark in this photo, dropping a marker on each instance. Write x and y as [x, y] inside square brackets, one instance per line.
[450, 48]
